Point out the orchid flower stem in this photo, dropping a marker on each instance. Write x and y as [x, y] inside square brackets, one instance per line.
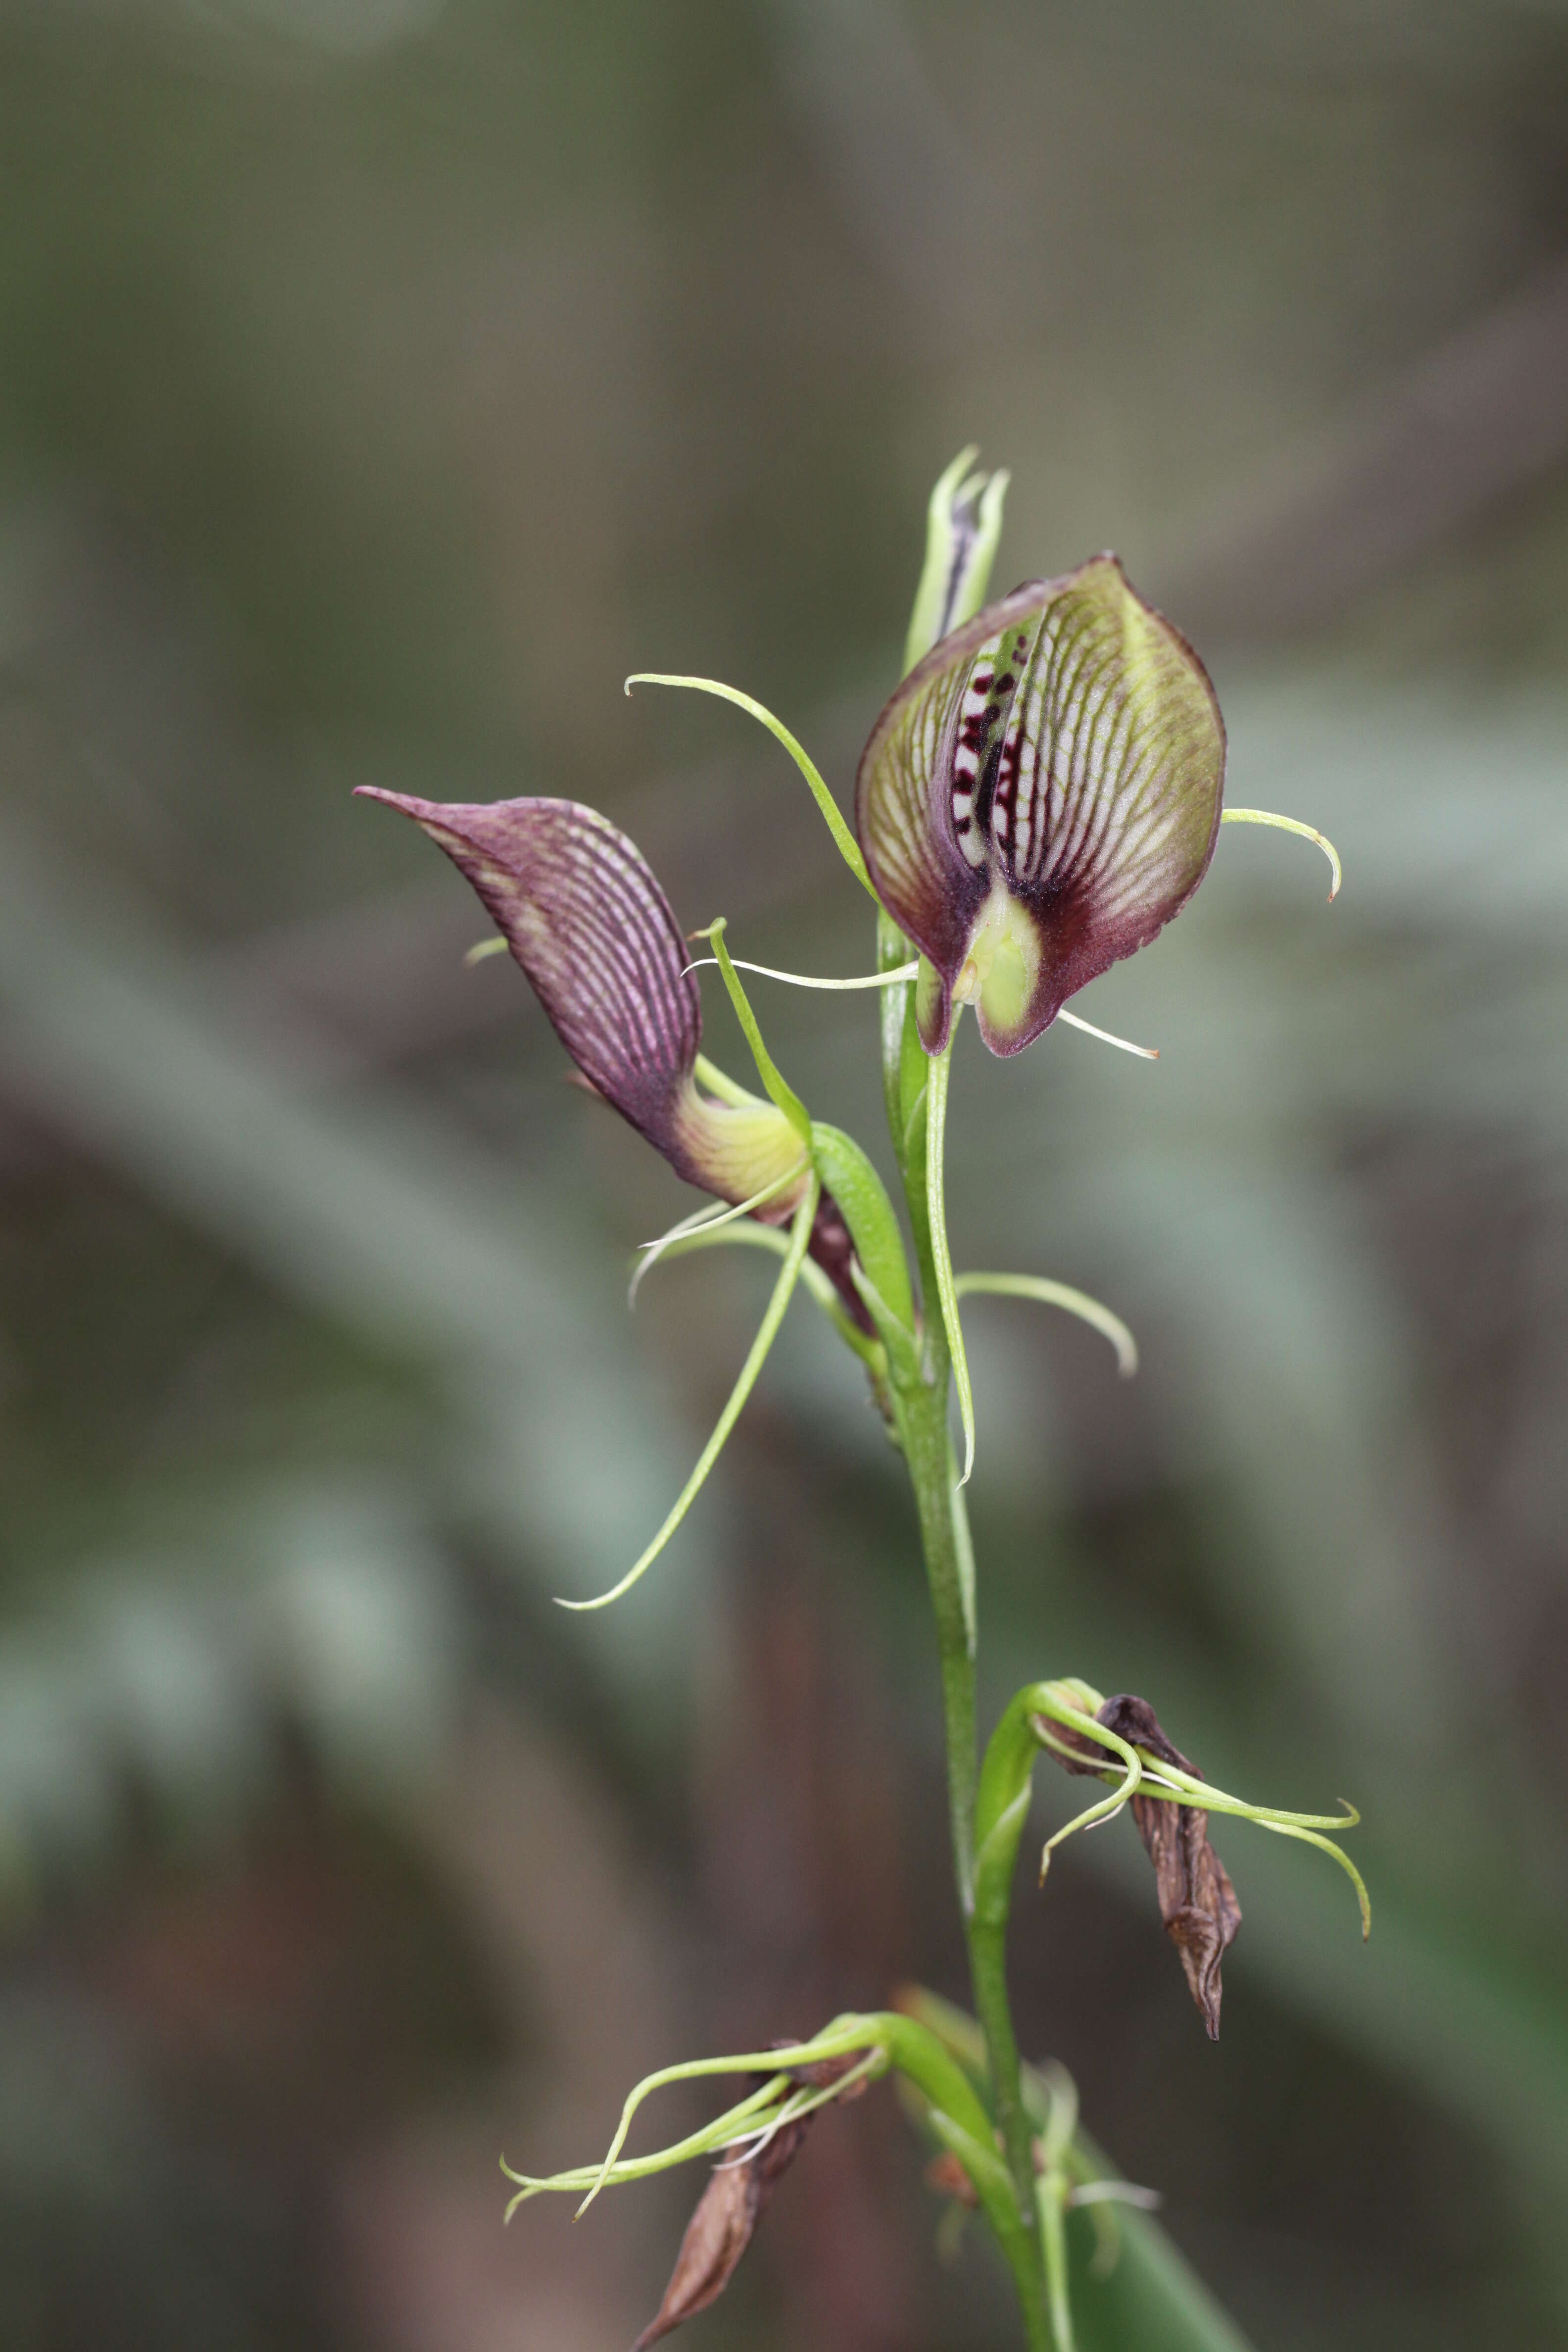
[921, 1406]
[964, 521]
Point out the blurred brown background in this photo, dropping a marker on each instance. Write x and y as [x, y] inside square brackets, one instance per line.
[380, 380]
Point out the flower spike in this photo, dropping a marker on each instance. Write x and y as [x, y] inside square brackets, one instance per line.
[1293, 824]
[847, 846]
[1039, 797]
[767, 1332]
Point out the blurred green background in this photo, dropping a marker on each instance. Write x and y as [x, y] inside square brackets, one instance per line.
[379, 381]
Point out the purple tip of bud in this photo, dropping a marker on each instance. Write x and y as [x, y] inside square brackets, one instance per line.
[585, 919]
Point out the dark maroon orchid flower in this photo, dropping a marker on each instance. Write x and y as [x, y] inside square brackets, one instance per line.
[1040, 795]
[583, 915]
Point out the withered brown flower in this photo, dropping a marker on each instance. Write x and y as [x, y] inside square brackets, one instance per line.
[733, 2204]
[1197, 1901]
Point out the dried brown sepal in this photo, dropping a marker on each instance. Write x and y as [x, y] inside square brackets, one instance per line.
[1197, 1901]
[721, 2228]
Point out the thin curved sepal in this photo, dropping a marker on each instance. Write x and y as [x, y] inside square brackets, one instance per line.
[806, 980]
[963, 523]
[886, 2039]
[1188, 1788]
[847, 846]
[707, 1221]
[586, 2181]
[844, 2034]
[1108, 1037]
[746, 1234]
[942, 1255]
[1046, 1293]
[1040, 796]
[799, 1241]
[774, 1083]
[1293, 824]
[1172, 1784]
[1055, 1708]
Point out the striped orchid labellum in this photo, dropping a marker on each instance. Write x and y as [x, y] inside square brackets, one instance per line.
[1039, 797]
[582, 912]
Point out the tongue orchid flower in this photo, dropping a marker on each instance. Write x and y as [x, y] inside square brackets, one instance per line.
[581, 913]
[1039, 797]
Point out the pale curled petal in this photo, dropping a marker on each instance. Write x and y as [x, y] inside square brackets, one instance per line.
[1040, 795]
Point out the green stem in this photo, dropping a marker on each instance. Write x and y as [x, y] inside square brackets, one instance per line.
[923, 1420]
[921, 1407]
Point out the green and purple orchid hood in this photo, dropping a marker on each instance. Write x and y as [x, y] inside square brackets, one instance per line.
[1039, 797]
[583, 915]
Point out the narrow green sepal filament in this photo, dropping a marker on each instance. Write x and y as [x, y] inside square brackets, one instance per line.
[789, 1273]
[1292, 824]
[1057, 1294]
[776, 1086]
[707, 1221]
[847, 846]
[882, 2038]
